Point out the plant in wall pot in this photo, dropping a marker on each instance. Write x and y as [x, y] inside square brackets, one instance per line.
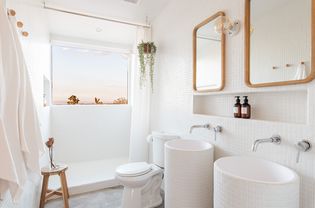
[147, 51]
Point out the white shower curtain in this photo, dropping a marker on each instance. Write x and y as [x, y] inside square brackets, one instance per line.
[20, 139]
[140, 104]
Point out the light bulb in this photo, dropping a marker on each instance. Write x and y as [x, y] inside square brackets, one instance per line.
[227, 26]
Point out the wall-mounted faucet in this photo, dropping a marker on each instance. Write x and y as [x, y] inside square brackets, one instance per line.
[276, 139]
[216, 129]
[302, 146]
[206, 126]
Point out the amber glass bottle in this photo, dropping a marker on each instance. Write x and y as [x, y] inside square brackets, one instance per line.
[237, 108]
[246, 109]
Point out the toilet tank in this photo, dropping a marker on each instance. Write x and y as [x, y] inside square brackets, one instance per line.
[158, 139]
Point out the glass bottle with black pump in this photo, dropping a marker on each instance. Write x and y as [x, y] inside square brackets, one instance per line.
[246, 109]
[237, 108]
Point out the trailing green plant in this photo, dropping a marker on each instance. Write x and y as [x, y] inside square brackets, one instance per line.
[147, 51]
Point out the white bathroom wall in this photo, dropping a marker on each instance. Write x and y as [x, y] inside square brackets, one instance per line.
[172, 101]
[87, 133]
[36, 49]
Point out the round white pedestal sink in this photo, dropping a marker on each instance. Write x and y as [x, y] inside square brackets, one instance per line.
[245, 182]
[188, 174]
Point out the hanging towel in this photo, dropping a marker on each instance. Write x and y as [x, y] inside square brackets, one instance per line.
[10, 87]
[30, 136]
[300, 72]
[20, 137]
[8, 170]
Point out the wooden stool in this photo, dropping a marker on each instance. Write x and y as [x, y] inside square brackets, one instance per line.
[63, 191]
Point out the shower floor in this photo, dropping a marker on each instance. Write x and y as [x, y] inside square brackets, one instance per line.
[89, 176]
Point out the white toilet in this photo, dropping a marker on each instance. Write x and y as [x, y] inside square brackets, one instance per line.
[142, 181]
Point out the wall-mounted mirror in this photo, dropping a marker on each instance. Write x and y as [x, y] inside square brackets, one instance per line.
[279, 42]
[209, 55]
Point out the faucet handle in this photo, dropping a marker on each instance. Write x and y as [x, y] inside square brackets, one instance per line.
[276, 139]
[217, 129]
[302, 146]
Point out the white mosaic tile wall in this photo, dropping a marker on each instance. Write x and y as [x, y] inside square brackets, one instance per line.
[172, 104]
[268, 106]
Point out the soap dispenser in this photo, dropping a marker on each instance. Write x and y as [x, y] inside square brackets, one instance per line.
[246, 108]
[237, 108]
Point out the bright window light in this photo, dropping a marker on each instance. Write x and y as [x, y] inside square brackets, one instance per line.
[87, 76]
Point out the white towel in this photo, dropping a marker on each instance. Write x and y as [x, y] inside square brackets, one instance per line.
[19, 133]
[9, 108]
[30, 135]
[6, 160]
[300, 72]
[8, 170]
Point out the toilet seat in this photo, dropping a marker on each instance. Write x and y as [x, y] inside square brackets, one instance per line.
[133, 169]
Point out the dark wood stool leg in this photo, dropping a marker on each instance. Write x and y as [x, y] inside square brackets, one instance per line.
[44, 191]
[64, 189]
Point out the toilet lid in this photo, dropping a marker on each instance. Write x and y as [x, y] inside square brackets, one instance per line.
[134, 169]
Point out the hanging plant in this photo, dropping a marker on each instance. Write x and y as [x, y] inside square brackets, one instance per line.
[147, 51]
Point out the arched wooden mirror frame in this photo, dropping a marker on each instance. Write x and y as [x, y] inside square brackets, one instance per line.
[206, 21]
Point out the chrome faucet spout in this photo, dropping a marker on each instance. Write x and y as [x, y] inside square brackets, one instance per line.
[206, 126]
[259, 141]
[276, 139]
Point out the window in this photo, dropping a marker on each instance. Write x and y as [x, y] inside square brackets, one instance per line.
[87, 76]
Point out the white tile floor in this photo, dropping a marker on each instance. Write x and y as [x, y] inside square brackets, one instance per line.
[89, 176]
[107, 198]
[89, 184]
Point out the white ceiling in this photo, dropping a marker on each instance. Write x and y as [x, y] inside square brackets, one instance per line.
[62, 24]
[110, 8]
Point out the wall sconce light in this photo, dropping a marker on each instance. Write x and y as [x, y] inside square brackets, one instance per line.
[227, 26]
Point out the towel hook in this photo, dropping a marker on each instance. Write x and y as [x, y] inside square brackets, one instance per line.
[19, 24]
[25, 34]
[11, 12]
[288, 65]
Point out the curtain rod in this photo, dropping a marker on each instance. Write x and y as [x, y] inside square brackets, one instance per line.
[96, 17]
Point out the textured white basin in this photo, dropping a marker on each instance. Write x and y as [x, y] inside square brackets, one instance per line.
[245, 182]
[188, 174]
[188, 145]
